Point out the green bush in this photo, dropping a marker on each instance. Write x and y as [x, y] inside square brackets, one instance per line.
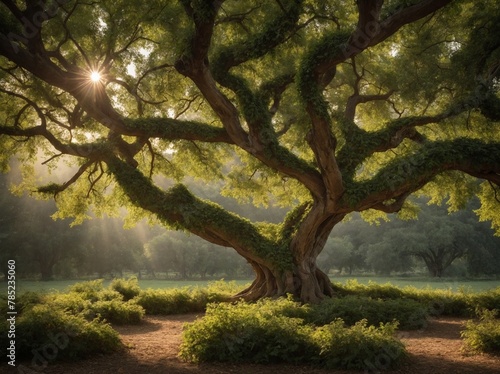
[129, 288]
[24, 301]
[409, 313]
[181, 300]
[442, 302]
[247, 332]
[116, 311]
[266, 332]
[71, 302]
[374, 290]
[55, 334]
[221, 290]
[358, 347]
[483, 336]
[487, 300]
[89, 289]
[98, 303]
[167, 302]
[437, 302]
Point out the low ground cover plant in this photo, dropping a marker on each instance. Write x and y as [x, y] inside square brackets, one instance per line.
[262, 333]
[410, 314]
[483, 335]
[47, 333]
[462, 303]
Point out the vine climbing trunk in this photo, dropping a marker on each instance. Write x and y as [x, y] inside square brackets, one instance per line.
[304, 280]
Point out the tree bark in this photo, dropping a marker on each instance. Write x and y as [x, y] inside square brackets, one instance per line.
[306, 283]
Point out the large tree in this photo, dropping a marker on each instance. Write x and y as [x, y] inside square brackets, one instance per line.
[329, 107]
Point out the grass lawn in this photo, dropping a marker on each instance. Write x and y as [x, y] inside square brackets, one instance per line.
[454, 284]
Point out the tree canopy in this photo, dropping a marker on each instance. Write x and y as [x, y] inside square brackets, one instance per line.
[325, 107]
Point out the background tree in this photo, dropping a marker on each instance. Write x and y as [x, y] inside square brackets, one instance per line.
[330, 107]
[440, 241]
[340, 254]
[437, 239]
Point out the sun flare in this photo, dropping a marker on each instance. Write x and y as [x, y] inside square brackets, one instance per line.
[95, 76]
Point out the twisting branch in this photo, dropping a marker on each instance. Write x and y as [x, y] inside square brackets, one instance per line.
[55, 189]
[356, 98]
[188, 104]
[30, 103]
[238, 18]
[495, 191]
[408, 174]
[153, 156]
[194, 64]
[93, 182]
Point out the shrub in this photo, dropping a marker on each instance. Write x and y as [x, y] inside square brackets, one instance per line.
[166, 302]
[221, 290]
[266, 332]
[487, 300]
[375, 290]
[98, 303]
[89, 289]
[358, 347]
[483, 336]
[442, 302]
[71, 302]
[116, 311]
[54, 333]
[129, 288]
[246, 332]
[183, 300]
[351, 309]
[437, 302]
[24, 301]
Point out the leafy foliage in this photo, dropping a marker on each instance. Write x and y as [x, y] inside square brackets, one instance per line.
[186, 300]
[353, 330]
[265, 332]
[483, 336]
[128, 288]
[410, 314]
[90, 300]
[358, 347]
[44, 326]
[437, 302]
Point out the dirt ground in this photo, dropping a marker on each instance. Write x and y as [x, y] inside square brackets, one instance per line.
[153, 348]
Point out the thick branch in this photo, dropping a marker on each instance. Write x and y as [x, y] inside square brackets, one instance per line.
[195, 65]
[180, 208]
[173, 129]
[408, 174]
[405, 16]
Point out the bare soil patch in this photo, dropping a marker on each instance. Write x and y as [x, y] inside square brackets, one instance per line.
[152, 348]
